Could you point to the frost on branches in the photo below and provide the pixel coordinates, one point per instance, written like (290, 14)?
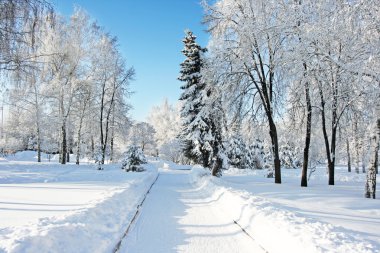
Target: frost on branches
(97, 156)
(196, 131)
(237, 152)
(256, 155)
(134, 157)
(288, 156)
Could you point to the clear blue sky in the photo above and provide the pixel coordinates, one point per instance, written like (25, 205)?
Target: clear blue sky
(150, 35)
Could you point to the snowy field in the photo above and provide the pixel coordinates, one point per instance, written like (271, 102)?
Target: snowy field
(319, 218)
(66, 208)
(48, 207)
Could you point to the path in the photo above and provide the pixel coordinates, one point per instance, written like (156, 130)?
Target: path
(178, 218)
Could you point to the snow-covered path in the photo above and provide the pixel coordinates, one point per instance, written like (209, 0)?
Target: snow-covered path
(176, 217)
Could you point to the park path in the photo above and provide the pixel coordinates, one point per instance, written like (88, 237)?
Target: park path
(176, 217)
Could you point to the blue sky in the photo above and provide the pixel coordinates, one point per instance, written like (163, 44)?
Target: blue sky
(150, 35)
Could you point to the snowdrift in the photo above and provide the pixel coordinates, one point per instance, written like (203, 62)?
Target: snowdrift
(94, 227)
(276, 229)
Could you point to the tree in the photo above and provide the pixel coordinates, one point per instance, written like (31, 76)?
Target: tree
(196, 130)
(134, 157)
(370, 186)
(215, 112)
(237, 152)
(21, 30)
(247, 39)
(19, 21)
(165, 120)
(142, 136)
(256, 155)
(75, 95)
(113, 86)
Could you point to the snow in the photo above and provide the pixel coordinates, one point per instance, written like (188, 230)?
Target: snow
(177, 217)
(49, 207)
(319, 218)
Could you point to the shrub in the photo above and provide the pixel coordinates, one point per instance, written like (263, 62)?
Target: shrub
(134, 157)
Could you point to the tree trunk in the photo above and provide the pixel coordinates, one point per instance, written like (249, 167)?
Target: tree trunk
(103, 154)
(307, 137)
(217, 167)
(357, 147)
(370, 186)
(348, 155)
(92, 146)
(79, 139)
(78, 148)
(102, 108)
(38, 143)
(332, 162)
(334, 128)
(275, 149)
(68, 153)
(63, 143)
(79, 134)
(363, 158)
(111, 149)
(330, 165)
(363, 165)
(112, 133)
(38, 128)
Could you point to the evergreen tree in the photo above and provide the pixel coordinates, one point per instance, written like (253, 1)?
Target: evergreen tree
(256, 155)
(196, 133)
(133, 160)
(237, 152)
(216, 120)
(289, 156)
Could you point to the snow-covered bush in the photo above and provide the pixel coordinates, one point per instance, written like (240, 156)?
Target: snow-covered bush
(237, 153)
(268, 161)
(97, 156)
(134, 157)
(288, 156)
(256, 155)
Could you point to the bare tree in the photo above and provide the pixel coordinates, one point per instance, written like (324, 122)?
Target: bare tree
(247, 38)
(19, 21)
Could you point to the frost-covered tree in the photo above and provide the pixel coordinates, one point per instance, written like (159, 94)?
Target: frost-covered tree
(196, 131)
(19, 22)
(142, 135)
(370, 186)
(172, 150)
(133, 160)
(237, 152)
(113, 87)
(215, 110)
(246, 42)
(322, 57)
(256, 155)
(165, 120)
(97, 157)
(75, 94)
(288, 157)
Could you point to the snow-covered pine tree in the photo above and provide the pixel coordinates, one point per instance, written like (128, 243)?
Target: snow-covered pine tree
(237, 152)
(134, 157)
(97, 156)
(216, 120)
(288, 157)
(256, 155)
(268, 161)
(196, 133)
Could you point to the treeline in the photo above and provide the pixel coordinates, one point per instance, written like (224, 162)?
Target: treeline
(66, 83)
(305, 74)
